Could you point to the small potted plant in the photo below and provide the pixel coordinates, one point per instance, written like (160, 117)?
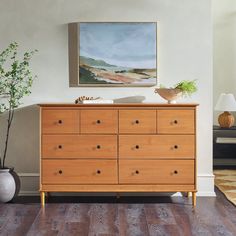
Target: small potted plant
(15, 82)
(183, 88)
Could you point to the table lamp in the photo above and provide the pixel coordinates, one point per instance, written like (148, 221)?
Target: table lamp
(226, 102)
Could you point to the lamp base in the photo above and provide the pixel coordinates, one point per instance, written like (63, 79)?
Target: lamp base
(226, 120)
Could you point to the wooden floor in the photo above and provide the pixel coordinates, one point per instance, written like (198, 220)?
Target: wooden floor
(134, 216)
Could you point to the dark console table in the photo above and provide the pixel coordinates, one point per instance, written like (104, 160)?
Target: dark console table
(224, 147)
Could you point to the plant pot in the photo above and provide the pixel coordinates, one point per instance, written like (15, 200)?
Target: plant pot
(7, 185)
(17, 181)
(169, 94)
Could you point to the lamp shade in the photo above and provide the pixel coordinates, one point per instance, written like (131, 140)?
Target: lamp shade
(226, 102)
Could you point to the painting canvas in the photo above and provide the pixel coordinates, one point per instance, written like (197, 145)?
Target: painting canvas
(117, 54)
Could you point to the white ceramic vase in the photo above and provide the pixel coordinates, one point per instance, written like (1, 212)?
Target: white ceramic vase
(7, 186)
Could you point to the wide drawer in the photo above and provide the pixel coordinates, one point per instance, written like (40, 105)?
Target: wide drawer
(79, 146)
(137, 121)
(99, 121)
(156, 146)
(79, 172)
(156, 171)
(175, 121)
(60, 121)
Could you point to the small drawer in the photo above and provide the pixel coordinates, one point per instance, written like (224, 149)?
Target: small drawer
(79, 172)
(79, 146)
(157, 146)
(99, 121)
(60, 121)
(137, 121)
(97, 146)
(156, 172)
(175, 121)
(57, 146)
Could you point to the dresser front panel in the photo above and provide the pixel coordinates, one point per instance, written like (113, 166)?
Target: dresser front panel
(79, 172)
(137, 121)
(156, 172)
(79, 146)
(157, 146)
(175, 122)
(99, 121)
(60, 121)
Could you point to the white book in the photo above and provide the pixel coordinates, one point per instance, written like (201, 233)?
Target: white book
(226, 140)
(98, 101)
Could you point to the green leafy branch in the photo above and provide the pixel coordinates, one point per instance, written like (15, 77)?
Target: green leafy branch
(15, 82)
(187, 87)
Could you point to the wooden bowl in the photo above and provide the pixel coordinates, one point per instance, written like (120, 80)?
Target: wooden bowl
(169, 94)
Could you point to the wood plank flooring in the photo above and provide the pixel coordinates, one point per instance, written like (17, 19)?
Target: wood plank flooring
(131, 216)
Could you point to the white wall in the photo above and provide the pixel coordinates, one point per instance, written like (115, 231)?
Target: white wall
(185, 52)
(224, 49)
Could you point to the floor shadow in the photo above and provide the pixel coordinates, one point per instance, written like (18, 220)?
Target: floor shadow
(96, 199)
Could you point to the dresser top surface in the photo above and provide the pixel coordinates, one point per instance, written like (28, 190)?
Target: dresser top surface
(119, 105)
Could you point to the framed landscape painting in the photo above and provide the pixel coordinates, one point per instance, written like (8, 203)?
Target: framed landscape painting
(113, 54)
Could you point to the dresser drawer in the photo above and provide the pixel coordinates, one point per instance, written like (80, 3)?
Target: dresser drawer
(175, 121)
(99, 121)
(60, 121)
(156, 146)
(79, 146)
(79, 172)
(156, 171)
(137, 121)
(54, 146)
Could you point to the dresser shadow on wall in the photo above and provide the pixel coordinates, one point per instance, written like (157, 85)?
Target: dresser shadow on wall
(23, 148)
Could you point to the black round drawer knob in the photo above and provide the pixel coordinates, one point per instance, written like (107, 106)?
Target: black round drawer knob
(60, 146)
(176, 147)
(98, 122)
(137, 121)
(60, 121)
(137, 146)
(60, 172)
(98, 146)
(98, 172)
(137, 172)
(175, 121)
(175, 172)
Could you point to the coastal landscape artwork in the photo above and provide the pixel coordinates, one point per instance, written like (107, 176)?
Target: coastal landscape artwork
(117, 54)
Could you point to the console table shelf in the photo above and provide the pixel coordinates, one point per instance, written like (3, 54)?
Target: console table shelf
(224, 147)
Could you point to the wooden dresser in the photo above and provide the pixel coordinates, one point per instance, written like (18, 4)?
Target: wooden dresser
(118, 148)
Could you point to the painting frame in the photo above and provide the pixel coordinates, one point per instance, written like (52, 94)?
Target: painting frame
(74, 51)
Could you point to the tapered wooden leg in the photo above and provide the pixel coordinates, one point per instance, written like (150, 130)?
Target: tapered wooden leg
(47, 194)
(42, 199)
(188, 194)
(194, 199)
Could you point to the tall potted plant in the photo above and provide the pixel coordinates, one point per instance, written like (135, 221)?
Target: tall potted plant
(15, 82)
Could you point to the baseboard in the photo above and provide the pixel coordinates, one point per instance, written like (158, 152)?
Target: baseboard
(205, 185)
(28, 174)
(28, 193)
